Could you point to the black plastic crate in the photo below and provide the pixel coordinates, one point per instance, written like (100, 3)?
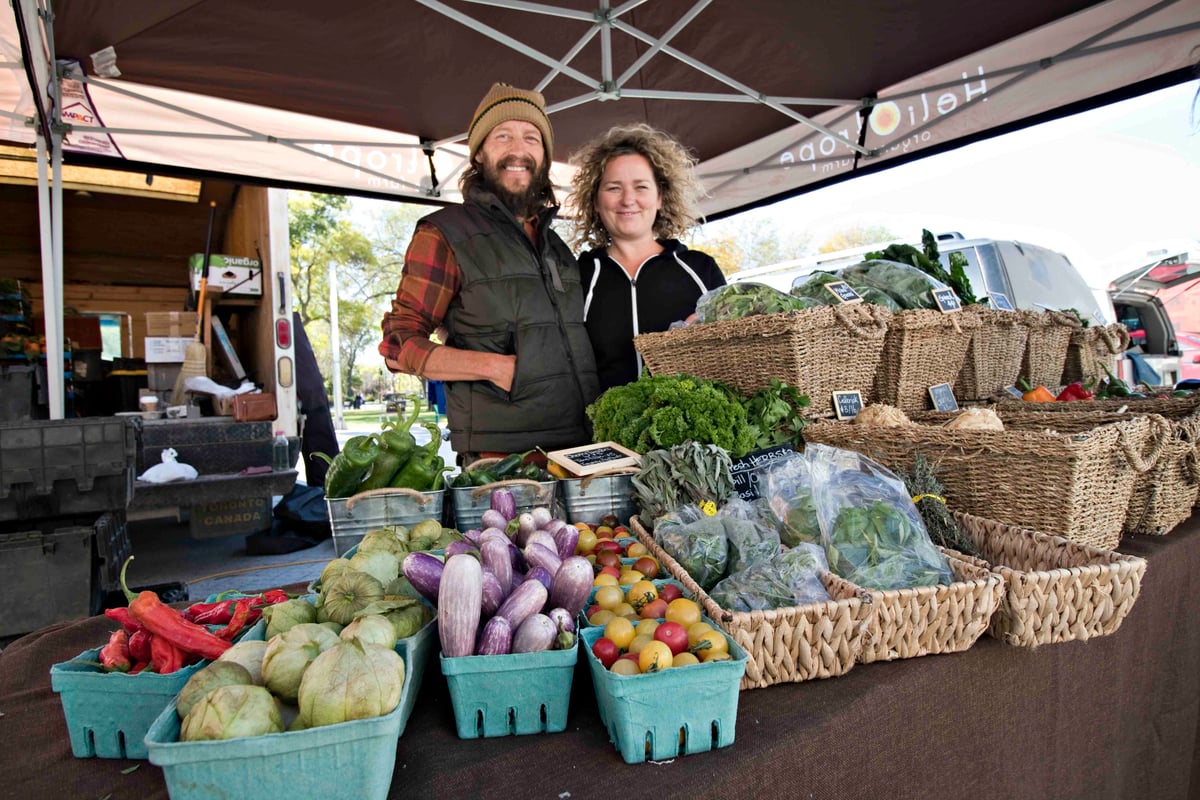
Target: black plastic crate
(112, 549)
(45, 575)
(59, 468)
(213, 445)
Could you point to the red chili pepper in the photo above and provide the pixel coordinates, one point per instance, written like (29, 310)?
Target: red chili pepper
(166, 656)
(123, 616)
(139, 645)
(273, 596)
(219, 614)
(138, 667)
(241, 617)
(165, 623)
(115, 654)
(198, 609)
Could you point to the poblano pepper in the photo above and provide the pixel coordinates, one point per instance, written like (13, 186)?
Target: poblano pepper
(396, 447)
(422, 466)
(348, 469)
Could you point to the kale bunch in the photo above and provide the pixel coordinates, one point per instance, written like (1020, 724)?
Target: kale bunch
(657, 412)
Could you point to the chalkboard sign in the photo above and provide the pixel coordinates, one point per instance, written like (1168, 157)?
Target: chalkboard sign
(847, 404)
(946, 299)
(943, 398)
(1001, 301)
(844, 292)
(592, 458)
(1015, 392)
(748, 470)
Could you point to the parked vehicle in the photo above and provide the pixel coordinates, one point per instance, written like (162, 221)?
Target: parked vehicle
(1155, 301)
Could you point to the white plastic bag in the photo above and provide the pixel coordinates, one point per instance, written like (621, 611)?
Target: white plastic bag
(169, 470)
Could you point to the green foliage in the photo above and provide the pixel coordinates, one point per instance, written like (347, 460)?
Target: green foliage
(661, 411)
(856, 236)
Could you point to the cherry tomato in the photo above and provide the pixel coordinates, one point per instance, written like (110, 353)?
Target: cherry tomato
(640, 641)
(630, 576)
(641, 593)
(586, 543)
(655, 656)
(604, 532)
(672, 634)
(624, 610)
(601, 617)
(620, 530)
(636, 550)
(709, 645)
(685, 612)
(605, 651)
(620, 632)
(647, 566)
(697, 630)
(625, 666)
(684, 659)
(669, 592)
(646, 627)
(609, 596)
(654, 609)
(608, 558)
(583, 526)
(604, 579)
(614, 572)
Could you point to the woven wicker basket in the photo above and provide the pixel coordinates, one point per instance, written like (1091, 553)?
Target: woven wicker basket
(923, 348)
(1055, 590)
(1162, 496)
(1091, 349)
(928, 620)
(994, 357)
(1046, 347)
(817, 350)
(785, 645)
(1070, 477)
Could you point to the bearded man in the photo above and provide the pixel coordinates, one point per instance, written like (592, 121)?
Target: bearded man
(517, 362)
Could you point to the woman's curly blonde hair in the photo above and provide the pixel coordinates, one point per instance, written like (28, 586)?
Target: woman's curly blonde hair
(673, 171)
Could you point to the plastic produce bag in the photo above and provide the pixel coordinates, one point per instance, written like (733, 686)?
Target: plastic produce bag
(746, 299)
(812, 286)
(169, 470)
(789, 495)
(793, 578)
(750, 541)
(872, 533)
(907, 285)
(697, 541)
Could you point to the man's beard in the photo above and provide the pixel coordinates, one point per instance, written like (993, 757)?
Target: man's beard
(527, 202)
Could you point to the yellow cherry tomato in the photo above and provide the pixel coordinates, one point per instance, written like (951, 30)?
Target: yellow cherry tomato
(697, 630)
(604, 579)
(631, 576)
(640, 641)
(654, 657)
(709, 645)
(620, 631)
(586, 543)
(601, 617)
(625, 666)
(684, 659)
(623, 609)
(684, 611)
(640, 593)
(609, 597)
(647, 627)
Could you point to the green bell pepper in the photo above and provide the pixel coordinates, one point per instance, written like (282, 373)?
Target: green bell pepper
(348, 469)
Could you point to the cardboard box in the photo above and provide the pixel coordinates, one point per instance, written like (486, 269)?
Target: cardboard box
(167, 349)
(171, 323)
(234, 275)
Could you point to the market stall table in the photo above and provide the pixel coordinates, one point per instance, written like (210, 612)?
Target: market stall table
(1115, 717)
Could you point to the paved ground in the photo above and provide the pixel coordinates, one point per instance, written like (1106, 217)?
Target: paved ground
(165, 552)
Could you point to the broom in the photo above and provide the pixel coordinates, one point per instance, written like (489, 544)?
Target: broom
(195, 358)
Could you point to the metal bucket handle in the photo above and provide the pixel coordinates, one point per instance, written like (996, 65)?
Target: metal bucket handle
(606, 473)
(387, 490)
(478, 491)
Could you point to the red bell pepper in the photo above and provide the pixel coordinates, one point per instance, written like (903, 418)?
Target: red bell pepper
(1074, 391)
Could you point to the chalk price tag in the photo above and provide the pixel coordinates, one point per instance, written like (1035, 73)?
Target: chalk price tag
(1000, 301)
(847, 404)
(747, 470)
(592, 458)
(844, 292)
(943, 397)
(947, 301)
(1015, 392)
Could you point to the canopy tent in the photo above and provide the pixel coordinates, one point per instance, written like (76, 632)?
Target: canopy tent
(774, 97)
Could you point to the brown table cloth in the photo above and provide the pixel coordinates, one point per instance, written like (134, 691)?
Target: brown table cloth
(1115, 717)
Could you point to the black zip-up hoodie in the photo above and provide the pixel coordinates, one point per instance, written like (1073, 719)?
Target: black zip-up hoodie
(615, 308)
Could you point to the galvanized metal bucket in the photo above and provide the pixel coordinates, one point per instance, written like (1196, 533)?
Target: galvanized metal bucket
(589, 498)
(471, 501)
(352, 518)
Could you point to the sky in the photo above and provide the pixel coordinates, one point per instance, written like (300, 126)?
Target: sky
(1104, 187)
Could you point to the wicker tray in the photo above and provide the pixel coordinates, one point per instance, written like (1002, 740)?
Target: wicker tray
(817, 350)
(994, 356)
(928, 620)
(1162, 496)
(1077, 483)
(785, 645)
(1091, 349)
(923, 348)
(1046, 347)
(1055, 590)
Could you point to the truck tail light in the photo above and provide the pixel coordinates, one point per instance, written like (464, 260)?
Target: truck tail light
(283, 332)
(284, 368)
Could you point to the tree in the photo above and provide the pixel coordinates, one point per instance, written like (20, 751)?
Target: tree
(749, 240)
(856, 236)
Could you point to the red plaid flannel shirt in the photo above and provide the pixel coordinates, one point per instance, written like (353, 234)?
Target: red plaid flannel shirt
(429, 283)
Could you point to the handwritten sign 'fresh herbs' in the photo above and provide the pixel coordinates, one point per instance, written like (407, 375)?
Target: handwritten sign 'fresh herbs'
(747, 470)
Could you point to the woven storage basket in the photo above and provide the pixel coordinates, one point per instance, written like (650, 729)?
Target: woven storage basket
(923, 348)
(994, 356)
(817, 350)
(1091, 349)
(1046, 347)
(785, 645)
(927, 620)
(1054, 590)
(1076, 484)
(1163, 495)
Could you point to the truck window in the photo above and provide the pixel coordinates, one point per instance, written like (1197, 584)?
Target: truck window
(983, 269)
(1042, 278)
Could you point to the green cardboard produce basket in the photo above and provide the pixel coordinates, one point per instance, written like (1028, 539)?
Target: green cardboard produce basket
(518, 694)
(677, 712)
(108, 713)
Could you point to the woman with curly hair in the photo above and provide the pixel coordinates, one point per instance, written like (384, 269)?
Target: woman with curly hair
(634, 195)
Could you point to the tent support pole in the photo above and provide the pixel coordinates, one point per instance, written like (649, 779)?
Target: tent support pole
(50, 225)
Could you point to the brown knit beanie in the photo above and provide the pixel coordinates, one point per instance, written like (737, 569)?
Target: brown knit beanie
(503, 103)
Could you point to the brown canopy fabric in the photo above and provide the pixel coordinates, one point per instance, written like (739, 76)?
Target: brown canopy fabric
(771, 95)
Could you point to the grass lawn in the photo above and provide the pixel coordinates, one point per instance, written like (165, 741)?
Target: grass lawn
(369, 418)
